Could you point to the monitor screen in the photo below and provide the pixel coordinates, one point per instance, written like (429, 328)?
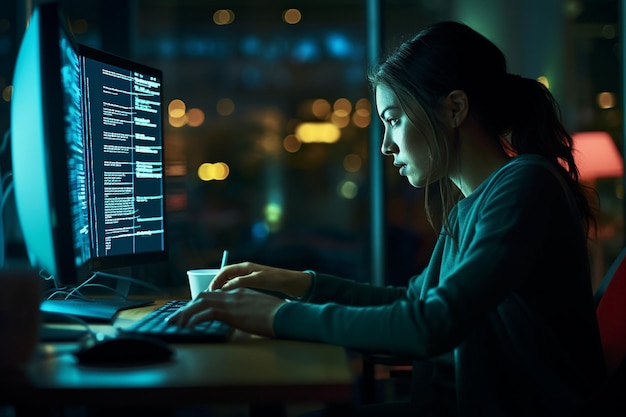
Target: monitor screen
(123, 137)
(87, 154)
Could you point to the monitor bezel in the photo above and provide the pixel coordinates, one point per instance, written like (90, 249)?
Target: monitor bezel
(42, 199)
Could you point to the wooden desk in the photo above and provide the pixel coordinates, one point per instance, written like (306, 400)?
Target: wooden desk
(248, 370)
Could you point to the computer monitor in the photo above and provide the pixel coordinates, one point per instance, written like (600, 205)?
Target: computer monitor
(87, 154)
(46, 122)
(123, 130)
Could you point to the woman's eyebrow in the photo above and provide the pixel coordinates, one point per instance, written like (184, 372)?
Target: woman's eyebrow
(386, 109)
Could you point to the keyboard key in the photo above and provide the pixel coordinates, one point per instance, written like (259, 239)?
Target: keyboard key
(153, 324)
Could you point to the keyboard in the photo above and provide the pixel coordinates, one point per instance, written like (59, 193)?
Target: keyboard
(153, 325)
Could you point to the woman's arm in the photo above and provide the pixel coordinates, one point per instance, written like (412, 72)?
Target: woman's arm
(304, 285)
(329, 288)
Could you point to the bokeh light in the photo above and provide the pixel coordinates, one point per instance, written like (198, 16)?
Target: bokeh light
(176, 108)
(606, 100)
(352, 162)
(292, 16)
(348, 189)
(213, 171)
(225, 107)
(291, 144)
(195, 117)
(223, 17)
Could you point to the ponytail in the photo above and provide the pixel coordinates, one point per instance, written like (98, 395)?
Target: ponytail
(532, 124)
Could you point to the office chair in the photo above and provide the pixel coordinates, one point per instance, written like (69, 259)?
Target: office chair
(396, 367)
(610, 299)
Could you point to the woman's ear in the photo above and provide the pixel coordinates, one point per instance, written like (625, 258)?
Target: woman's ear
(457, 107)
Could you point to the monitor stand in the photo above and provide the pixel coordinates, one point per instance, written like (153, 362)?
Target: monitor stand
(96, 309)
(92, 311)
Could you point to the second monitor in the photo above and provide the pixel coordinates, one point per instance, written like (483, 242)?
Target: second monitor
(123, 150)
(87, 155)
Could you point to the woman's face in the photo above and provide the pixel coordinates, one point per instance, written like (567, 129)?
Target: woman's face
(402, 139)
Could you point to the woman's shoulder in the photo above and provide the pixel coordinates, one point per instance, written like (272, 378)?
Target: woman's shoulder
(520, 177)
(524, 173)
(528, 167)
(528, 161)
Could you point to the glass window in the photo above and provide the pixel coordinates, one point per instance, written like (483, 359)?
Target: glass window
(268, 133)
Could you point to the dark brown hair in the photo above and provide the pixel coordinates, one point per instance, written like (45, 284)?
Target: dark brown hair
(451, 55)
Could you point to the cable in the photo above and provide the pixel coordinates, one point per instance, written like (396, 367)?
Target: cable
(49, 277)
(132, 280)
(3, 196)
(8, 188)
(5, 140)
(75, 292)
(2, 237)
(67, 293)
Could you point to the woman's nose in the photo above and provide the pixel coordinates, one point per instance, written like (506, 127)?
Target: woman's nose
(387, 146)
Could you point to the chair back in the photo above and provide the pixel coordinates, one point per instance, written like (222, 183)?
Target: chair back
(611, 313)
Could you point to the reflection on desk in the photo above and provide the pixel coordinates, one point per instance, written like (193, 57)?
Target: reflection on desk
(248, 370)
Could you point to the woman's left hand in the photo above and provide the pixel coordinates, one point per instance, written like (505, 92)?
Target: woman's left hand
(243, 308)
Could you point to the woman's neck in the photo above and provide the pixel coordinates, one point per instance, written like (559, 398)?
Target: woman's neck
(478, 156)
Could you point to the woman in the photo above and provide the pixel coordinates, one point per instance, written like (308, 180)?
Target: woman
(501, 322)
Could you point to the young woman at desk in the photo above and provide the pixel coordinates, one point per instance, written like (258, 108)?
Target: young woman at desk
(501, 322)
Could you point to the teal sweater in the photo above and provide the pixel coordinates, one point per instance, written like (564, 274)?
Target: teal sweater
(501, 321)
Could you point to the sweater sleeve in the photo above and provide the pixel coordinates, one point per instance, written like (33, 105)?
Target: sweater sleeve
(502, 240)
(328, 288)
(347, 313)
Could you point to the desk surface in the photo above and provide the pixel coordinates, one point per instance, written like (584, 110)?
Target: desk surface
(247, 370)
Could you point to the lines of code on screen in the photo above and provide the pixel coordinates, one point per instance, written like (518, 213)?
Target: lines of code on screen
(123, 119)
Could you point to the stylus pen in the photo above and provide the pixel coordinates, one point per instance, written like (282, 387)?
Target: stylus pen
(224, 258)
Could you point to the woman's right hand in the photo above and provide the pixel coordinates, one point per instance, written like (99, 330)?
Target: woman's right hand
(251, 275)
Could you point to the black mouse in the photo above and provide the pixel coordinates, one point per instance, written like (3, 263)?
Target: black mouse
(123, 350)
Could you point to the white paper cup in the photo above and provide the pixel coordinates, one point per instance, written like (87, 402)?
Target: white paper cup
(200, 279)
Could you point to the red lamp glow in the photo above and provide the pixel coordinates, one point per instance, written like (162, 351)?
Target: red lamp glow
(597, 156)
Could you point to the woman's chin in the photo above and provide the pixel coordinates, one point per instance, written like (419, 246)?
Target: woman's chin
(416, 183)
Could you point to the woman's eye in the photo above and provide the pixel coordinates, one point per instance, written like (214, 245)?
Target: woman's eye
(392, 122)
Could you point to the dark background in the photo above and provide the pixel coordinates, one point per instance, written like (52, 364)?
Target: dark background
(311, 208)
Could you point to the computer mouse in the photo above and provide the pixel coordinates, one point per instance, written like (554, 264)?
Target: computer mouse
(123, 350)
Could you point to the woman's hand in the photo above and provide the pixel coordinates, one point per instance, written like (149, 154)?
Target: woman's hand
(245, 309)
(250, 275)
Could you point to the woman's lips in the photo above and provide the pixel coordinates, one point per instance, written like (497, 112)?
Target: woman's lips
(401, 168)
